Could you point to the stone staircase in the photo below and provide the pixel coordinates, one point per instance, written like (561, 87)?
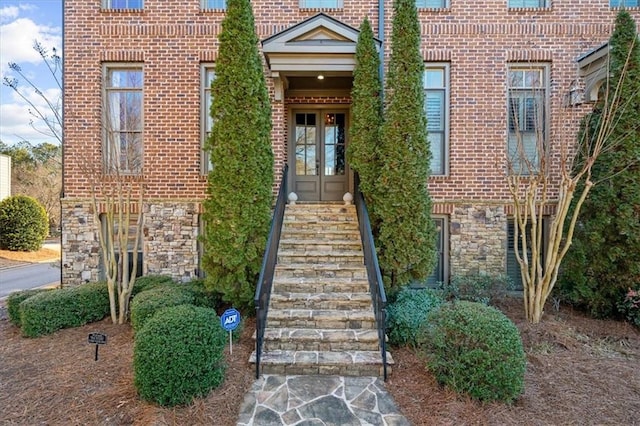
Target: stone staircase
(320, 318)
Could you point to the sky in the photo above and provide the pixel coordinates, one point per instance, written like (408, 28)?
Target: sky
(21, 23)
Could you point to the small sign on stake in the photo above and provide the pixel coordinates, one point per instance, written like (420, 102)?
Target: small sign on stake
(97, 339)
(230, 320)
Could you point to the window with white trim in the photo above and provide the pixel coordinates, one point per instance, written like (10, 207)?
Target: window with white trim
(213, 4)
(208, 75)
(436, 94)
(527, 106)
(122, 4)
(123, 118)
(528, 4)
(624, 3)
(432, 4)
(320, 4)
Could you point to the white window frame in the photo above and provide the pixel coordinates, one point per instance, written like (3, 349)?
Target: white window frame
(432, 4)
(528, 4)
(519, 165)
(321, 4)
(109, 4)
(213, 4)
(206, 123)
(443, 168)
(112, 150)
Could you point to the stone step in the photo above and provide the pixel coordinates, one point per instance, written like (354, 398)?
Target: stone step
(308, 339)
(284, 284)
(320, 244)
(320, 234)
(319, 300)
(339, 257)
(318, 225)
(340, 363)
(321, 318)
(320, 270)
(320, 209)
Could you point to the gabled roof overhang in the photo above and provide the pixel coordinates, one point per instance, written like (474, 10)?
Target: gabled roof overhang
(593, 68)
(320, 44)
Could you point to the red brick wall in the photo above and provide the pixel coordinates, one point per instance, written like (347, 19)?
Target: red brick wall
(172, 38)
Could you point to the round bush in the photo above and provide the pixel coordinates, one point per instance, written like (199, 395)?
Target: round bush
(23, 224)
(148, 302)
(474, 349)
(408, 313)
(179, 355)
(149, 282)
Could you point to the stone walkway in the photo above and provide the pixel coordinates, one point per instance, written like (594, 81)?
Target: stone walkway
(319, 401)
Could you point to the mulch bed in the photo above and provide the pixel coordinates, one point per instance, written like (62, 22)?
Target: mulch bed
(580, 371)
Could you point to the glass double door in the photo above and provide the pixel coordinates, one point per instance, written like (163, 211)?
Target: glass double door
(319, 140)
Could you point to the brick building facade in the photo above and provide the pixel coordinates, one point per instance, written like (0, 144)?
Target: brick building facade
(158, 57)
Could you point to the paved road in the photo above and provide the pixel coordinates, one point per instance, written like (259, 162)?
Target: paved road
(28, 276)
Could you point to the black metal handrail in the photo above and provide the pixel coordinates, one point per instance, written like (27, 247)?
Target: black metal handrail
(269, 260)
(376, 286)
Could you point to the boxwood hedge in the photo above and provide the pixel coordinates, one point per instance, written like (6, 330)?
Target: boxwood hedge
(53, 310)
(179, 355)
(474, 349)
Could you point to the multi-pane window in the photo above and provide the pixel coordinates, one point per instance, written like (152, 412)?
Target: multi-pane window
(432, 4)
(208, 75)
(531, 4)
(320, 4)
(436, 81)
(123, 4)
(213, 4)
(526, 112)
(624, 3)
(123, 121)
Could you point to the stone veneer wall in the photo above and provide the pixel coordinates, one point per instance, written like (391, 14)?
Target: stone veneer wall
(169, 243)
(80, 246)
(171, 240)
(478, 239)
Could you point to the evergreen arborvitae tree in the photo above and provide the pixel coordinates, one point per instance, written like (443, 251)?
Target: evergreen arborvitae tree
(238, 207)
(604, 260)
(366, 111)
(407, 237)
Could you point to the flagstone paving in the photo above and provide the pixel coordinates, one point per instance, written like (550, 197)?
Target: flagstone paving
(319, 401)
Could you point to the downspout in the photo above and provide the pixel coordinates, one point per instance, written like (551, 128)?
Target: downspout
(381, 38)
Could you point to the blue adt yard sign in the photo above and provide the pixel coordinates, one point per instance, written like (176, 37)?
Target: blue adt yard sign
(230, 320)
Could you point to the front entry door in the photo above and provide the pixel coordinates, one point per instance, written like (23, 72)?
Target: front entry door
(319, 144)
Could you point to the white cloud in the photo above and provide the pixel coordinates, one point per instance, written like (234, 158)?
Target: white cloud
(17, 38)
(8, 13)
(15, 126)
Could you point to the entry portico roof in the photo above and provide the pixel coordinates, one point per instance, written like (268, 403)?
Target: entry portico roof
(318, 44)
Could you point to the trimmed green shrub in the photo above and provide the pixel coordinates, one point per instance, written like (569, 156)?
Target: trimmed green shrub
(147, 303)
(14, 300)
(237, 210)
(408, 312)
(53, 310)
(630, 307)
(406, 238)
(179, 355)
(474, 349)
(481, 288)
(150, 281)
(202, 296)
(23, 224)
